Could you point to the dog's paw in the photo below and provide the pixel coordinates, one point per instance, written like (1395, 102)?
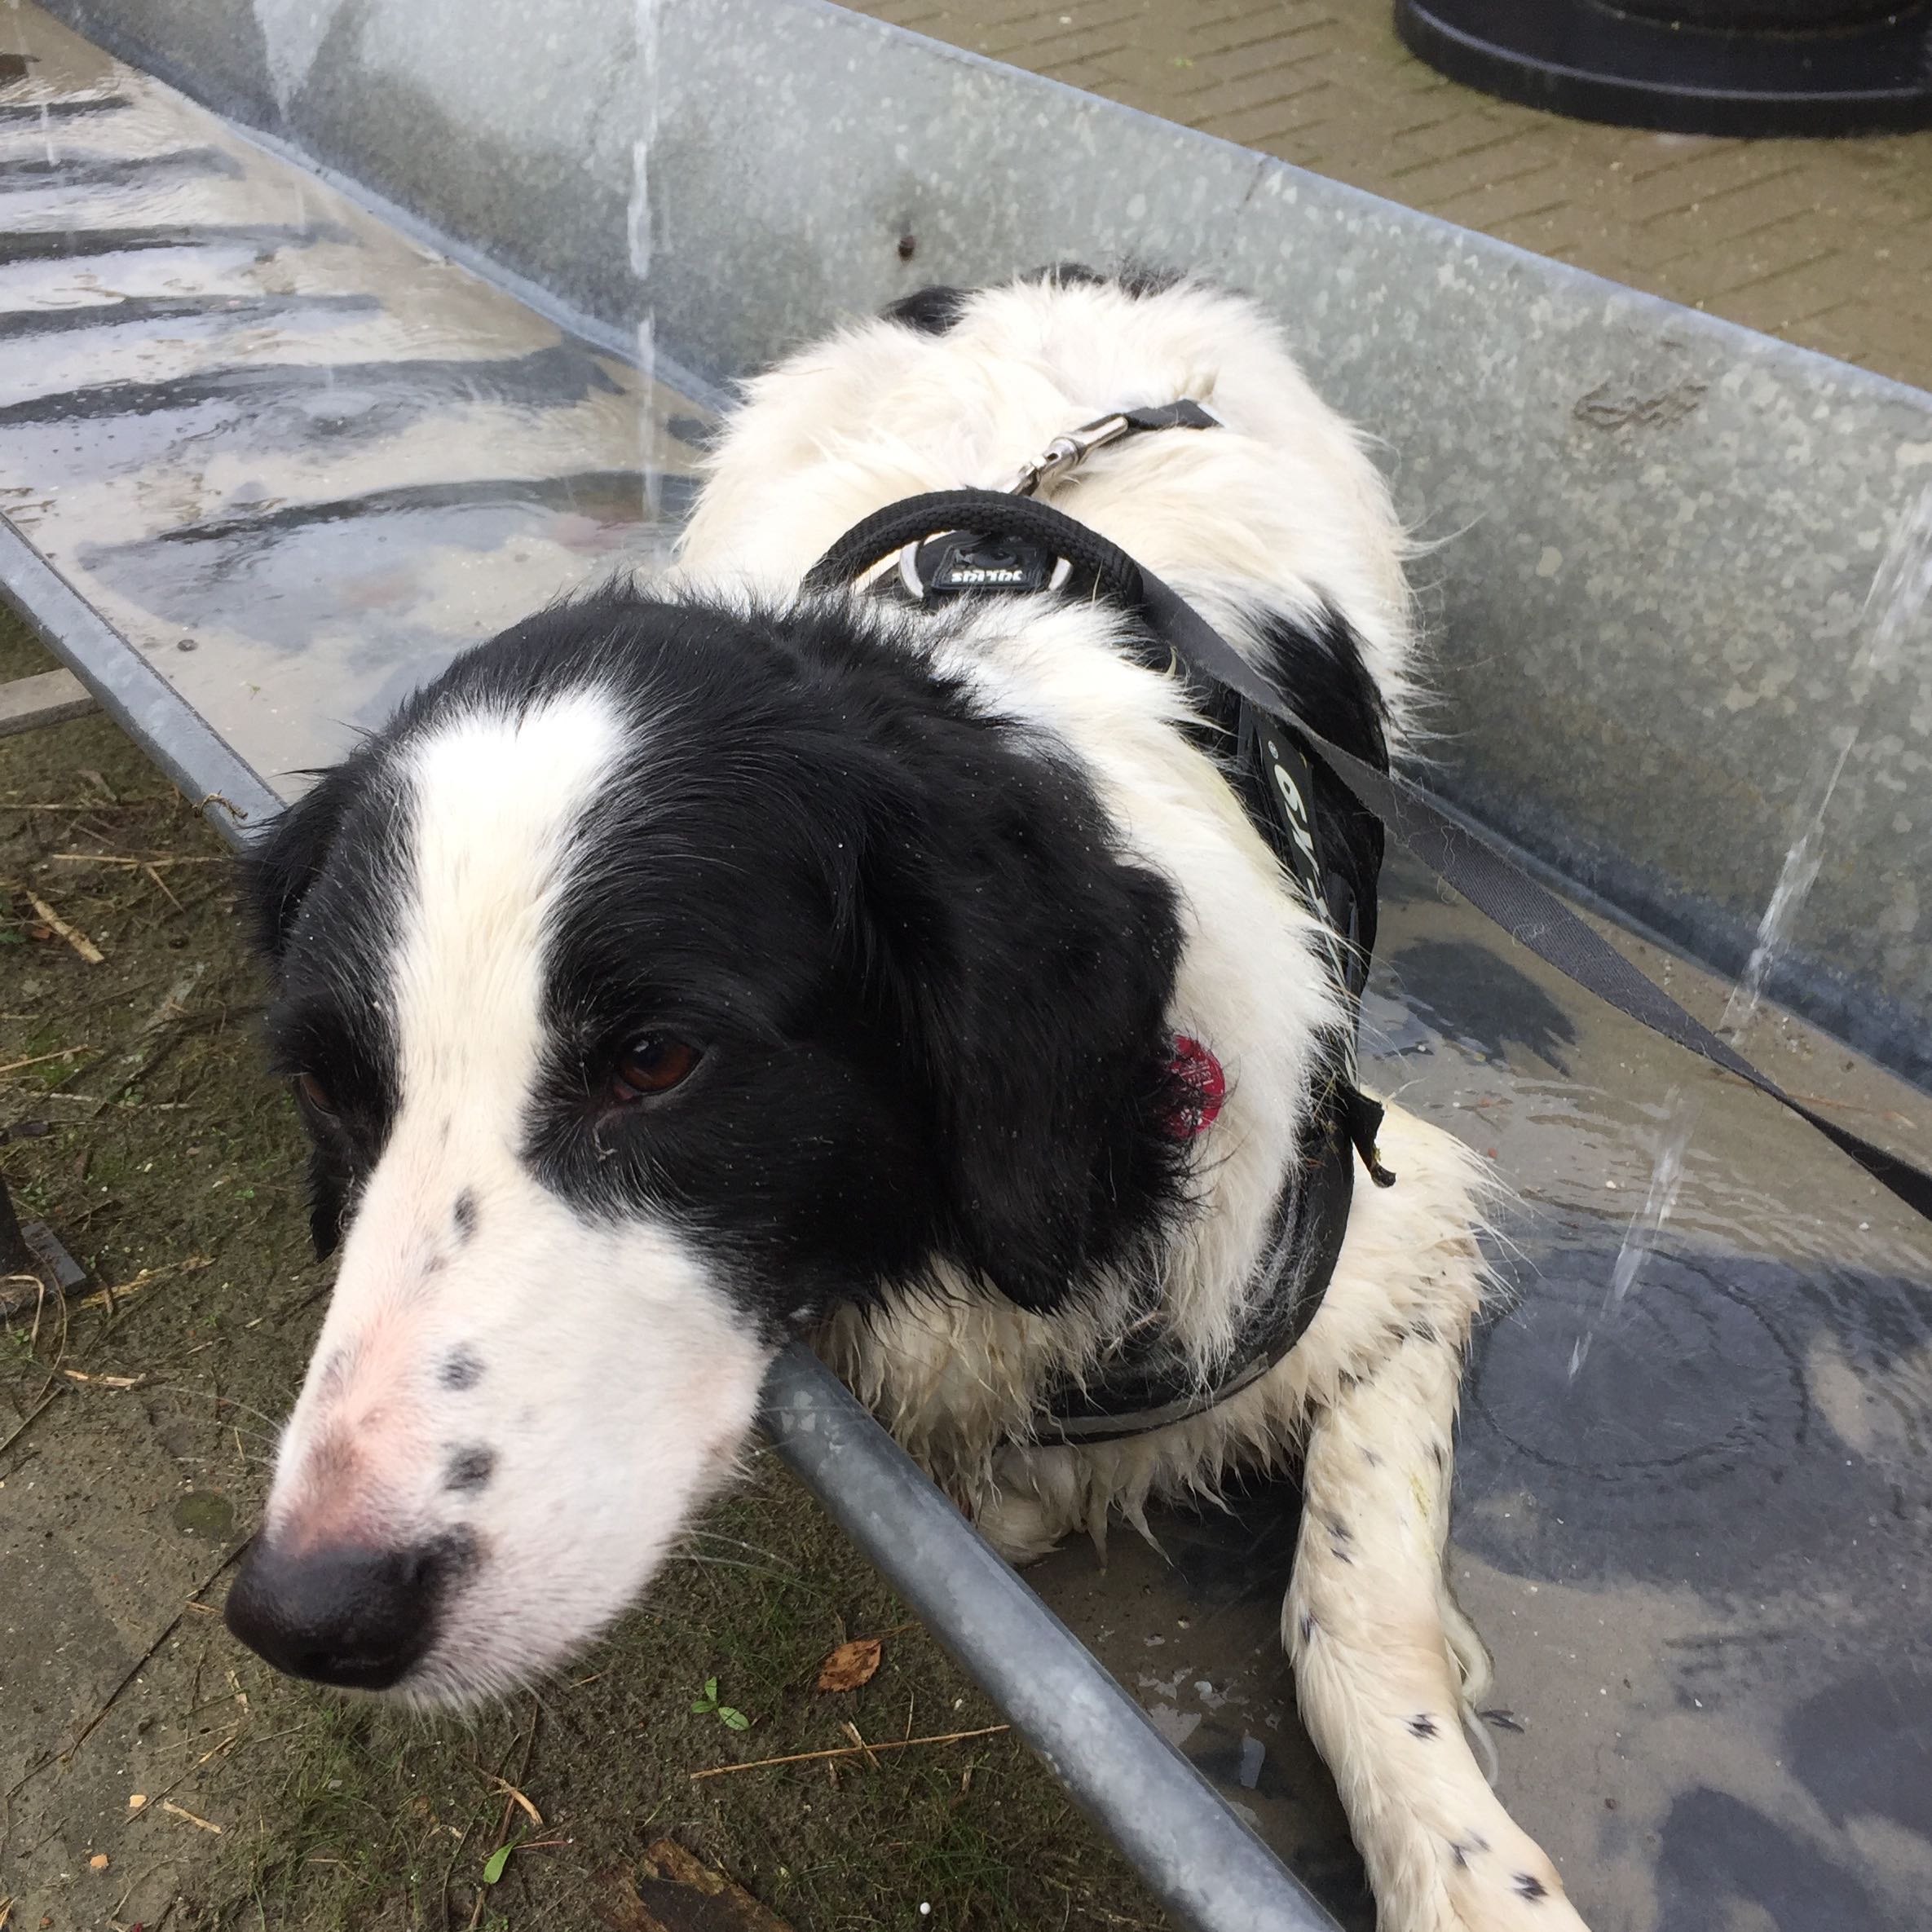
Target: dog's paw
(1022, 1528)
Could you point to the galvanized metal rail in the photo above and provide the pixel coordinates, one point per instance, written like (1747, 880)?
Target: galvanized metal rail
(1202, 1862)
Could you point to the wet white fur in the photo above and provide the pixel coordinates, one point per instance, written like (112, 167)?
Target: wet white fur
(1280, 507)
(1288, 507)
(621, 1383)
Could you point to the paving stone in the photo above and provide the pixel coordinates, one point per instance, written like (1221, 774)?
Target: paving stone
(1259, 89)
(1498, 207)
(1827, 243)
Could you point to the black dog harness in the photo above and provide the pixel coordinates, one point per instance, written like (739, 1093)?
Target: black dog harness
(965, 542)
(979, 540)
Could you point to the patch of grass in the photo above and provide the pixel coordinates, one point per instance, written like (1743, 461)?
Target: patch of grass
(162, 1144)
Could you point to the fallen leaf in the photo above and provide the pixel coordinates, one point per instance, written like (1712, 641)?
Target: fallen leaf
(852, 1665)
(518, 1798)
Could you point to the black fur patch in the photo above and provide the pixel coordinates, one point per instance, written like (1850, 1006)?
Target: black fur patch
(324, 883)
(929, 989)
(1137, 279)
(461, 1369)
(934, 310)
(469, 1469)
(931, 311)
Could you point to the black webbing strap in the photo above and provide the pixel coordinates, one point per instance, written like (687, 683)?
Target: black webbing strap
(1503, 892)
(1137, 1387)
(1493, 885)
(1097, 564)
(1183, 415)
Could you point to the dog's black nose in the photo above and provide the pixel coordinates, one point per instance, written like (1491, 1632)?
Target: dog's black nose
(340, 1614)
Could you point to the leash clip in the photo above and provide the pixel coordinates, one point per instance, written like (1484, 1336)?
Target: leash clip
(1066, 452)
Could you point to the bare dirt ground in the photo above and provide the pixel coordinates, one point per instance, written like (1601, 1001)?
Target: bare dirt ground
(153, 1773)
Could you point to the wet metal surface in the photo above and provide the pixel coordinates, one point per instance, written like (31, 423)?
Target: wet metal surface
(297, 459)
(1656, 529)
(241, 415)
(1704, 1563)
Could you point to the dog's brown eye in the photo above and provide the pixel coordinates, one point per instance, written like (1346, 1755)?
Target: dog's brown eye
(658, 1062)
(314, 1093)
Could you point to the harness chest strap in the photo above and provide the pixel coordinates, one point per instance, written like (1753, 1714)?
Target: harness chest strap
(1145, 1384)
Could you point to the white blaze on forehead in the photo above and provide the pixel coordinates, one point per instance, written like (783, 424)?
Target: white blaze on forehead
(613, 1376)
(491, 800)
(495, 798)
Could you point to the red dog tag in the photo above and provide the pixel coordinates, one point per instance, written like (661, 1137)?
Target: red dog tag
(1203, 1086)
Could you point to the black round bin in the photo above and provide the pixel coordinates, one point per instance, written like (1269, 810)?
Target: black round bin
(1715, 67)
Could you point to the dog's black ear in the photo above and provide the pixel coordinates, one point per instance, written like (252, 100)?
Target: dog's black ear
(931, 311)
(280, 863)
(1031, 966)
(278, 867)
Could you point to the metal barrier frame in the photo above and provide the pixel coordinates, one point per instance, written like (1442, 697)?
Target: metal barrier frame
(1580, 421)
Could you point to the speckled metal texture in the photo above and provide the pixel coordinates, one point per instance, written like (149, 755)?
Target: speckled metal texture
(1651, 532)
(236, 410)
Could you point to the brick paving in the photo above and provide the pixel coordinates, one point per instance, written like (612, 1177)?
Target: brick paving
(1827, 243)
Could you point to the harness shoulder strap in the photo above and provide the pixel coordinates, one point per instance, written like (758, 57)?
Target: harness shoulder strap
(1460, 857)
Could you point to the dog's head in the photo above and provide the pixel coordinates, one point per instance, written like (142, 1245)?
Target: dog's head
(661, 975)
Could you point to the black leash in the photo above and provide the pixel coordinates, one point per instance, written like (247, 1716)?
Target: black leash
(1462, 858)
(1502, 891)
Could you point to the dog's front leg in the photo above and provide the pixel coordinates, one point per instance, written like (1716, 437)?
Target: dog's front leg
(1368, 1628)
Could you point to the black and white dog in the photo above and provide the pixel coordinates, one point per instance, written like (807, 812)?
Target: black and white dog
(686, 970)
